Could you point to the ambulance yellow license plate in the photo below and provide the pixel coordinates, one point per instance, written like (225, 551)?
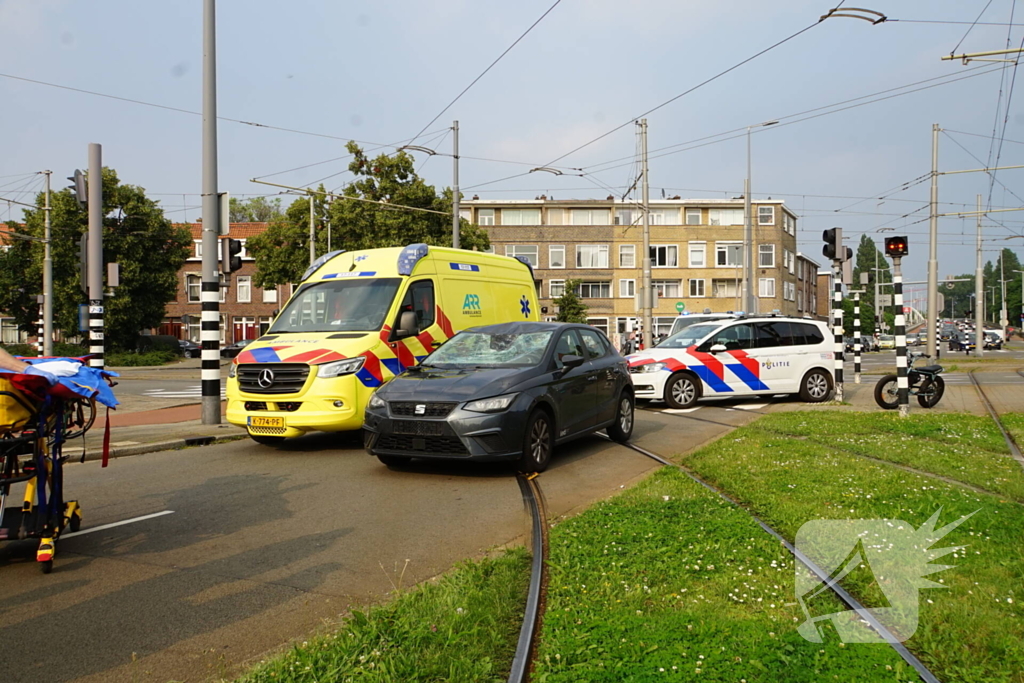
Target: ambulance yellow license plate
(258, 421)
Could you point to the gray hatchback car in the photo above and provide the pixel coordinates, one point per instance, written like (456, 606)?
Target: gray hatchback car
(503, 392)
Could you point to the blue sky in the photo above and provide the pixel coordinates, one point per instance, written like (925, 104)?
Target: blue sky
(378, 72)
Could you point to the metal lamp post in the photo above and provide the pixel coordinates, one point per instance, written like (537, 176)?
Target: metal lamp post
(456, 199)
(749, 264)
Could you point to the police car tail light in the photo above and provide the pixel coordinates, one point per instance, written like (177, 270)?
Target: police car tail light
(341, 367)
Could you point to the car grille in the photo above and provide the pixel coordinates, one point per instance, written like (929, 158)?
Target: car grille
(273, 431)
(406, 443)
(288, 378)
(408, 409)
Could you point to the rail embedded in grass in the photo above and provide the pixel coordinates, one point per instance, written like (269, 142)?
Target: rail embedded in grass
(973, 630)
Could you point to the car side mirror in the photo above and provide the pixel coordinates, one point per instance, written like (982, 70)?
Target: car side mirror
(570, 361)
(406, 325)
(718, 348)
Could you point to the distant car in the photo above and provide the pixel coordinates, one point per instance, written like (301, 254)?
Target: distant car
(913, 339)
(510, 391)
(232, 350)
(189, 349)
(993, 341)
(887, 341)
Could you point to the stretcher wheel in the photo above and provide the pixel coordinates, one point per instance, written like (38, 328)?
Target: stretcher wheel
(76, 521)
(47, 566)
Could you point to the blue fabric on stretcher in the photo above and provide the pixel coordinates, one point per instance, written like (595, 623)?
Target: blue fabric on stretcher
(87, 382)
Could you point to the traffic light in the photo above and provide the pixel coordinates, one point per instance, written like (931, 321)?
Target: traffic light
(834, 249)
(78, 189)
(230, 261)
(895, 247)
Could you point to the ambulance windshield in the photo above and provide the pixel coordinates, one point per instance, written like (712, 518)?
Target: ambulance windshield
(690, 335)
(341, 305)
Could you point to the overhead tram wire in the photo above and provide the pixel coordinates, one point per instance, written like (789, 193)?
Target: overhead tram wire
(973, 24)
(1006, 118)
(484, 72)
(989, 173)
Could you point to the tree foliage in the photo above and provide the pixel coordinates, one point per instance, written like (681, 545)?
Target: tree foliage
(571, 308)
(149, 249)
(282, 253)
(255, 210)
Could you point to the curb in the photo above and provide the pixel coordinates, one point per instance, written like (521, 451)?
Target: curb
(167, 445)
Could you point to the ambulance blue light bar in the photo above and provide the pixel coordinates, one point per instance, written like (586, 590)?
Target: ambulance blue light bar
(319, 262)
(410, 256)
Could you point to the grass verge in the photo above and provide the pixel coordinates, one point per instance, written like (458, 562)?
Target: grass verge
(973, 630)
(461, 628)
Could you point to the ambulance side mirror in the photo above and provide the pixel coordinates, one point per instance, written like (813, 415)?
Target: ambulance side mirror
(407, 325)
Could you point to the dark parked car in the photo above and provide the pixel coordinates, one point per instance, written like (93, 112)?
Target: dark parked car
(232, 350)
(993, 341)
(503, 392)
(189, 349)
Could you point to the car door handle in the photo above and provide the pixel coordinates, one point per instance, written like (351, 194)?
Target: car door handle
(591, 378)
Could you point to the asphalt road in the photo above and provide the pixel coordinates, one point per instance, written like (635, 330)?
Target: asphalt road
(264, 545)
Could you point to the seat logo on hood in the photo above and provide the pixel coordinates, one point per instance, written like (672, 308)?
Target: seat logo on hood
(421, 409)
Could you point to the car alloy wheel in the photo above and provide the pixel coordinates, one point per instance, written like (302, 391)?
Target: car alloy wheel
(682, 392)
(625, 415)
(538, 444)
(817, 386)
(622, 428)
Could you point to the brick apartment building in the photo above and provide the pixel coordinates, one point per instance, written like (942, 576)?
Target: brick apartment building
(696, 252)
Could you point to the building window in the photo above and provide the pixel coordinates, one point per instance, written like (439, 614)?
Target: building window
(766, 287)
(591, 255)
(629, 217)
(667, 289)
(590, 216)
(799, 299)
(792, 262)
(223, 282)
(528, 251)
(520, 216)
(464, 214)
(697, 254)
(627, 256)
(697, 288)
(556, 256)
(243, 289)
(595, 290)
(556, 288)
(627, 289)
(725, 216)
(693, 216)
(485, 216)
(194, 284)
(766, 215)
(489, 249)
(664, 256)
(199, 248)
(788, 223)
(270, 295)
(598, 323)
(728, 255)
(766, 255)
(725, 289)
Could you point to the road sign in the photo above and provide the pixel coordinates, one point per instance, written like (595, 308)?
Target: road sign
(942, 302)
(885, 299)
(680, 306)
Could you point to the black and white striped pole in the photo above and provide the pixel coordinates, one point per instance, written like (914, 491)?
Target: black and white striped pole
(40, 325)
(94, 251)
(896, 248)
(210, 294)
(856, 333)
(837, 325)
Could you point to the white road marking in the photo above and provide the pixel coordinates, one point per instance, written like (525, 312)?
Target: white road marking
(195, 391)
(121, 523)
(676, 411)
(752, 406)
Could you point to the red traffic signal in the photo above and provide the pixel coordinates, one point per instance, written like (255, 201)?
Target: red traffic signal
(895, 247)
(230, 260)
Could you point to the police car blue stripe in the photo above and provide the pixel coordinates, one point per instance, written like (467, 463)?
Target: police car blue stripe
(710, 378)
(747, 377)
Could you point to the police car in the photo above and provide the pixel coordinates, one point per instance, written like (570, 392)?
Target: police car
(741, 357)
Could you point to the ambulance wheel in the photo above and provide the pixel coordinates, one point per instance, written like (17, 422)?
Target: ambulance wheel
(266, 440)
(681, 391)
(815, 386)
(394, 460)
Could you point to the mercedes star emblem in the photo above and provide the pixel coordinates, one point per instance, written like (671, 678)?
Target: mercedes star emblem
(265, 378)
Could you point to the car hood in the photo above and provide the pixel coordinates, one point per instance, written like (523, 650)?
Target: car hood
(312, 348)
(435, 384)
(656, 355)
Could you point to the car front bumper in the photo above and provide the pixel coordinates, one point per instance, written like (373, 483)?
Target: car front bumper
(649, 385)
(462, 435)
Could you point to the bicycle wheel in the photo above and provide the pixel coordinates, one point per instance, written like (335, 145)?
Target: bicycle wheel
(931, 393)
(886, 394)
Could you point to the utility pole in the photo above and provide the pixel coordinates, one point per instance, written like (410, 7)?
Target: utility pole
(878, 308)
(1002, 284)
(95, 256)
(456, 200)
(210, 297)
(902, 378)
(312, 230)
(47, 274)
(647, 296)
(933, 264)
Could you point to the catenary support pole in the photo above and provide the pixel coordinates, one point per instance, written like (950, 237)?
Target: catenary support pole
(456, 199)
(47, 273)
(837, 324)
(312, 229)
(95, 256)
(647, 295)
(210, 296)
(933, 263)
(902, 387)
(856, 337)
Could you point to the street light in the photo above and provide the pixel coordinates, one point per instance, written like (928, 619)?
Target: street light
(749, 268)
(456, 196)
(878, 309)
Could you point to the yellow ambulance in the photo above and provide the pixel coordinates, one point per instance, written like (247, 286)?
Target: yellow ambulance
(360, 318)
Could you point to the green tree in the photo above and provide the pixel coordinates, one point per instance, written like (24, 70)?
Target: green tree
(149, 249)
(867, 258)
(255, 210)
(359, 221)
(571, 308)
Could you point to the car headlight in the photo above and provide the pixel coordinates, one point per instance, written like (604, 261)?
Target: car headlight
(233, 370)
(341, 367)
(376, 401)
(495, 404)
(651, 367)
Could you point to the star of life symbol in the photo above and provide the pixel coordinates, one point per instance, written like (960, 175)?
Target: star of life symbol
(360, 258)
(524, 306)
(886, 559)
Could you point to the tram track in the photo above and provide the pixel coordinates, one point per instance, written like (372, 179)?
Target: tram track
(533, 614)
(1011, 443)
(922, 671)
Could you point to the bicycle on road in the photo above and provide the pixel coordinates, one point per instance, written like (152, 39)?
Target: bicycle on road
(923, 382)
